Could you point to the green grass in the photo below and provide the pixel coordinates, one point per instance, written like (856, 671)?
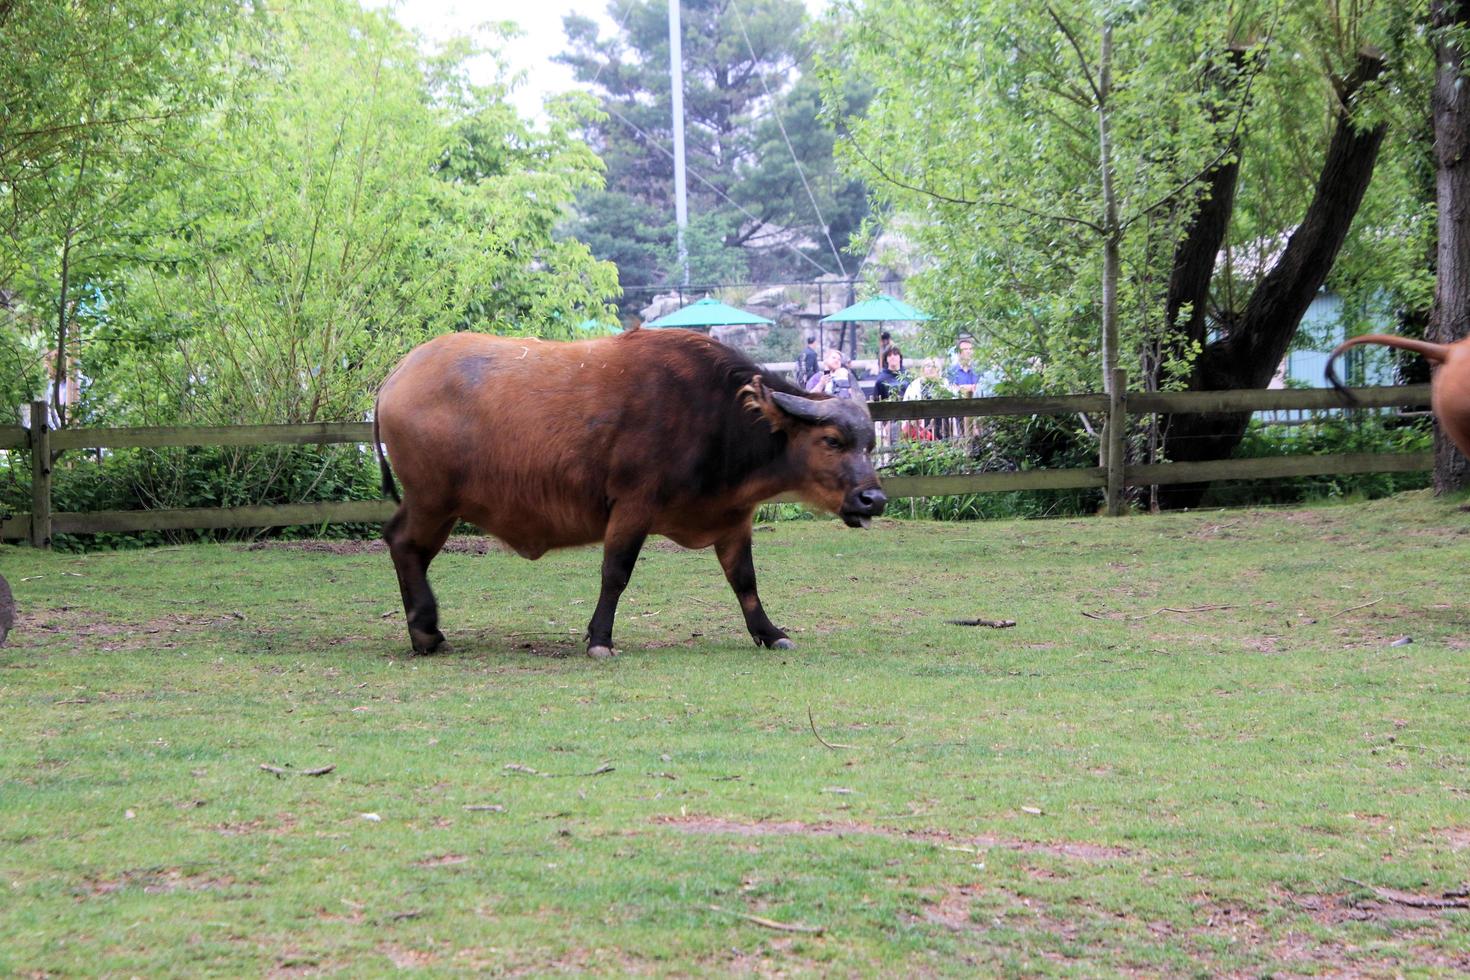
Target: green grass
(1155, 791)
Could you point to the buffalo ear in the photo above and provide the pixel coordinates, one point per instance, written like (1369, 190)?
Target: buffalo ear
(757, 398)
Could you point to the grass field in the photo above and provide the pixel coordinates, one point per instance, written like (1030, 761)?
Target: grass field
(1199, 751)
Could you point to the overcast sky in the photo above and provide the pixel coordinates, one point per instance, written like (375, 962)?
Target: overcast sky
(542, 37)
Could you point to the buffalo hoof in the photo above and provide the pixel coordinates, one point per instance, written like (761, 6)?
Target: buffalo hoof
(600, 652)
(785, 643)
(427, 643)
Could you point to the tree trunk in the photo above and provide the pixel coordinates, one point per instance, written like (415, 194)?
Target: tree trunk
(1450, 107)
(1194, 256)
(1254, 342)
(1112, 260)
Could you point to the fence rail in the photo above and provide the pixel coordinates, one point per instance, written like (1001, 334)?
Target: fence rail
(1114, 473)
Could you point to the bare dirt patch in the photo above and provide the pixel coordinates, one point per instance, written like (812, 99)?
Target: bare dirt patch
(460, 544)
(90, 631)
(153, 881)
(1458, 838)
(282, 823)
(797, 828)
(441, 861)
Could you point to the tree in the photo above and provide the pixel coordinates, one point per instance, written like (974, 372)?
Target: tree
(1032, 142)
(90, 93)
(995, 126)
(1450, 109)
(747, 112)
(349, 199)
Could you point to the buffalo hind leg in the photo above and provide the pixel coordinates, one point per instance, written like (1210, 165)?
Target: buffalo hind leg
(413, 541)
(620, 550)
(735, 558)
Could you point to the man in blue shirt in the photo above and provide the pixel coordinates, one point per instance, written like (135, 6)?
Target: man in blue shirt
(966, 379)
(963, 375)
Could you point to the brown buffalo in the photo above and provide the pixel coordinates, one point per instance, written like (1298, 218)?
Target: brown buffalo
(552, 445)
(1449, 392)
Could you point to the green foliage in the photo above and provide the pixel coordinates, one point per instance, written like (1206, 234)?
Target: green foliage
(982, 140)
(95, 96)
(1354, 432)
(337, 197)
(140, 479)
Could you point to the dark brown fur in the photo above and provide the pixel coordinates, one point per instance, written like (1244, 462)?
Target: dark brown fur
(553, 445)
(1449, 393)
(7, 609)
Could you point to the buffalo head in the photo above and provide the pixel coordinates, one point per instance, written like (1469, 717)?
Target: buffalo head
(829, 445)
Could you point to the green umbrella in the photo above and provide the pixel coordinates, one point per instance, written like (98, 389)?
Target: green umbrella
(707, 313)
(880, 307)
(598, 327)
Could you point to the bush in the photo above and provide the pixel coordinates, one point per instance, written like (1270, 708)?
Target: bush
(138, 479)
(1351, 432)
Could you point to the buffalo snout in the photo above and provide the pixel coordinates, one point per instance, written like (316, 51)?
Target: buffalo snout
(862, 506)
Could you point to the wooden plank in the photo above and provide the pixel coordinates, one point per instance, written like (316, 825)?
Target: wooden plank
(938, 486)
(14, 437)
(41, 527)
(1114, 456)
(1272, 467)
(1279, 399)
(952, 408)
(16, 527)
(324, 512)
(153, 437)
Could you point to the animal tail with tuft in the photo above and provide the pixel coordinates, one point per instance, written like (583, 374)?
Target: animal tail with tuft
(389, 487)
(1435, 353)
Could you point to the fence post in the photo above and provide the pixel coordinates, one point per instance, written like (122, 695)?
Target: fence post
(40, 477)
(1113, 455)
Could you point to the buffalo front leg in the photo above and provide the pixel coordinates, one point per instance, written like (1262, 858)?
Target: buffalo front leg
(735, 558)
(620, 550)
(413, 541)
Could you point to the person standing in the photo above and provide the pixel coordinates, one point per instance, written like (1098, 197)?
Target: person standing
(809, 363)
(928, 385)
(836, 378)
(962, 374)
(966, 380)
(891, 381)
(889, 386)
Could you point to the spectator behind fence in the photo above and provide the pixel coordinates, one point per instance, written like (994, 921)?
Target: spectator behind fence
(809, 362)
(929, 384)
(836, 378)
(966, 380)
(891, 381)
(963, 375)
(889, 386)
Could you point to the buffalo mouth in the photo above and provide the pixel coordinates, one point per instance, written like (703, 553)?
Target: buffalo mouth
(862, 506)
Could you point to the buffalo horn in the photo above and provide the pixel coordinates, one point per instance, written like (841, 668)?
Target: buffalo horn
(808, 409)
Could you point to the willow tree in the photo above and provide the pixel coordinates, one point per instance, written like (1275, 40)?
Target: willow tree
(1050, 153)
(1077, 169)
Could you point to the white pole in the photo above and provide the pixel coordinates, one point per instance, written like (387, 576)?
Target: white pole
(676, 77)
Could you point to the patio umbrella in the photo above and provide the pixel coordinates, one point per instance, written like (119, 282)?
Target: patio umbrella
(880, 307)
(594, 326)
(707, 312)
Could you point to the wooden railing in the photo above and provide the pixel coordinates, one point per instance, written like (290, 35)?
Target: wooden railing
(1111, 475)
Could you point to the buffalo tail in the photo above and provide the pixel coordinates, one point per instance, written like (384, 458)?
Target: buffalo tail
(389, 487)
(1434, 352)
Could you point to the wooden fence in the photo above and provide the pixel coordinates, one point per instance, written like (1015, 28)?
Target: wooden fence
(1111, 475)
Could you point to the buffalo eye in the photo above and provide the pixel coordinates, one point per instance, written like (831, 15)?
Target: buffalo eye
(832, 442)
